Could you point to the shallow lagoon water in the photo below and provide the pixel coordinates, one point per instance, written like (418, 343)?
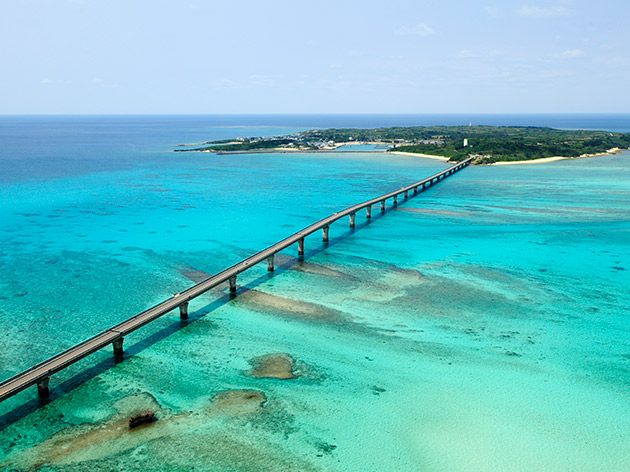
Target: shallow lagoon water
(481, 325)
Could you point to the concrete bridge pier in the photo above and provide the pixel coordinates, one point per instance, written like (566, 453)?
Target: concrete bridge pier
(368, 212)
(42, 387)
(232, 283)
(270, 263)
(352, 217)
(415, 190)
(395, 200)
(424, 186)
(118, 347)
(325, 234)
(301, 247)
(183, 311)
(382, 205)
(406, 193)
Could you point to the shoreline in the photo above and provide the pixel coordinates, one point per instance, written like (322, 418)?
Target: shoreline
(286, 151)
(417, 154)
(336, 149)
(543, 160)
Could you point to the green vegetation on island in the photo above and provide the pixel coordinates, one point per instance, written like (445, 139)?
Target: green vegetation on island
(488, 143)
(251, 144)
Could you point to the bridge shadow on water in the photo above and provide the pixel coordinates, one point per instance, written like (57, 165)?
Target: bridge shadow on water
(222, 298)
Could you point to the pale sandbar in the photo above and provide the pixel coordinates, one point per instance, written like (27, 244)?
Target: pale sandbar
(417, 154)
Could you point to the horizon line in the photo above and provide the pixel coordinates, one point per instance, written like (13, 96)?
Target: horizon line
(317, 114)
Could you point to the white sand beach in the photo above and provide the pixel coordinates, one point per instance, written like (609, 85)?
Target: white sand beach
(609, 152)
(532, 161)
(429, 156)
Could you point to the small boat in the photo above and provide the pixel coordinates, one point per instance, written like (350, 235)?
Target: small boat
(142, 418)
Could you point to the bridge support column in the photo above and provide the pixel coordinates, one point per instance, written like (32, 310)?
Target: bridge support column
(415, 190)
(325, 234)
(424, 186)
(118, 347)
(42, 387)
(382, 205)
(301, 247)
(232, 283)
(395, 200)
(270, 263)
(368, 212)
(352, 215)
(406, 194)
(183, 311)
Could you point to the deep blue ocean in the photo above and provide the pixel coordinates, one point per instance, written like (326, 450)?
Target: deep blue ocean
(482, 325)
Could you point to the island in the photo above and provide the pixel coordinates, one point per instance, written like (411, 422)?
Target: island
(487, 144)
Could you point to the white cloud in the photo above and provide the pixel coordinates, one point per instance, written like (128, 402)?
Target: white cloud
(571, 53)
(48, 81)
(420, 29)
(464, 53)
(533, 11)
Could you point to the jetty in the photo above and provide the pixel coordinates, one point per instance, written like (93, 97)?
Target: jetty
(41, 373)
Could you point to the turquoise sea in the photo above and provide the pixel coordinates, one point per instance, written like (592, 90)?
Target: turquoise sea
(480, 326)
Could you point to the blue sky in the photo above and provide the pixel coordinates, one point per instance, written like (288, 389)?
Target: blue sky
(137, 56)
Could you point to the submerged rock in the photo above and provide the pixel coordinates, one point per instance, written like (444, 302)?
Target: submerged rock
(194, 274)
(272, 366)
(243, 400)
(289, 308)
(141, 418)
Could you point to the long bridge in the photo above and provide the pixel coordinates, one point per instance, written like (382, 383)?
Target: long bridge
(40, 374)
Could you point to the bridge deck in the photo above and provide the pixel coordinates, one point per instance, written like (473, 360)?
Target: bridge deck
(42, 371)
